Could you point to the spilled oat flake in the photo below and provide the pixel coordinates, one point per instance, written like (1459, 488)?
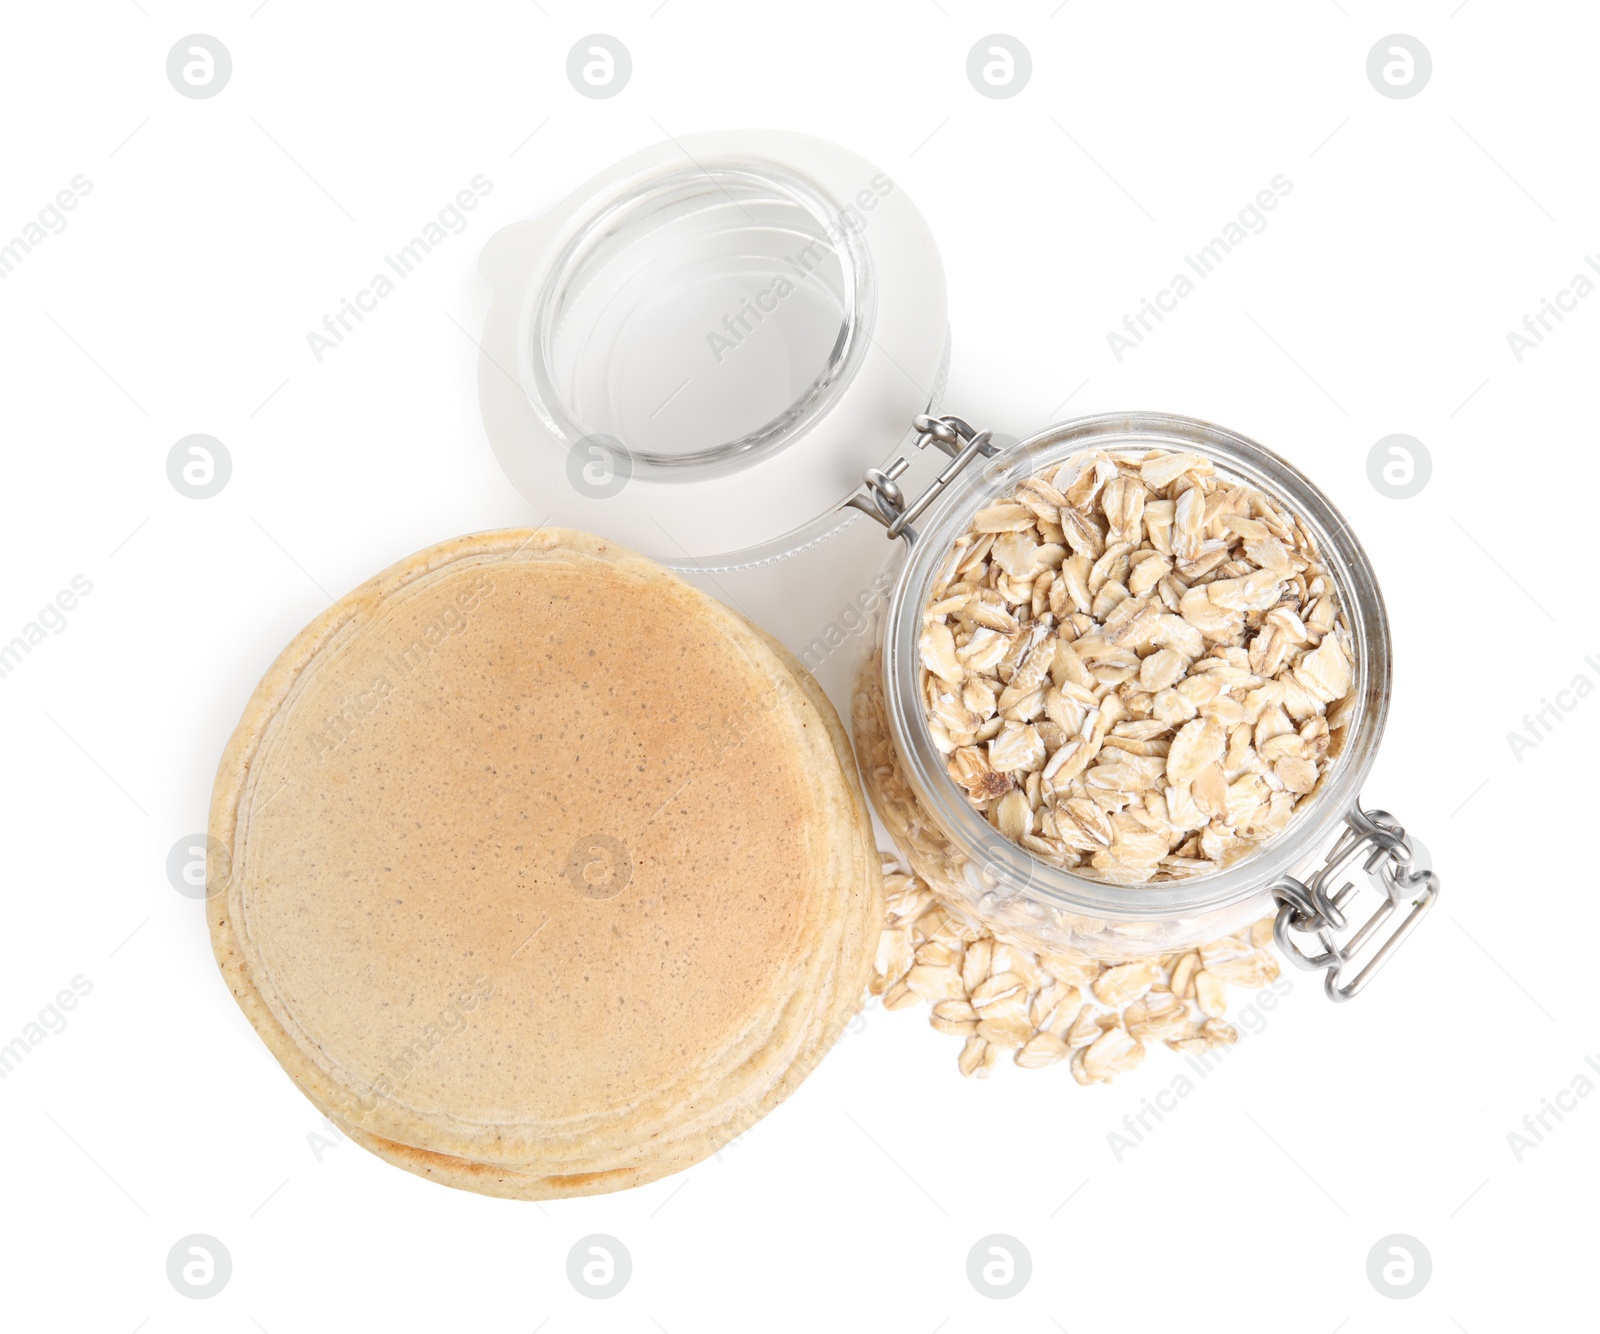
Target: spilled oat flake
(1044, 1008)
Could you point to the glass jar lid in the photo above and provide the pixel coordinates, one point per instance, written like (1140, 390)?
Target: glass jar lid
(699, 351)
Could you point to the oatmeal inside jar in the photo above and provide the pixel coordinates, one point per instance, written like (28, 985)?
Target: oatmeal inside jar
(1136, 669)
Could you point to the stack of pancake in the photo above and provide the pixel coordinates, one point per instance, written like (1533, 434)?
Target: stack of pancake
(541, 872)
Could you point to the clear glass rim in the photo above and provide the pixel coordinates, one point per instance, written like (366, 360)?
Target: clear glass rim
(631, 206)
(1361, 601)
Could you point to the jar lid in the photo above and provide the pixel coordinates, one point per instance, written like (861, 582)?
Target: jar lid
(700, 350)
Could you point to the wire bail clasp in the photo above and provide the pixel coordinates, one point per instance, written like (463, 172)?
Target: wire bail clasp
(1308, 908)
(881, 496)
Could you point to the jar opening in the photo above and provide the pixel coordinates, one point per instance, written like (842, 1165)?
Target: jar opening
(996, 859)
(702, 318)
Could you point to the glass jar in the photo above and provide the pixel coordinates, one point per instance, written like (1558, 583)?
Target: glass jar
(973, 866)
(714, 341)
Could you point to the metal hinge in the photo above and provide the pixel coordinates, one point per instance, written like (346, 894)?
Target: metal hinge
(1309, 908)
(881, 496)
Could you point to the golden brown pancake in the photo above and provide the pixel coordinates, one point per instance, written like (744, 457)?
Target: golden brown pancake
(543, 866)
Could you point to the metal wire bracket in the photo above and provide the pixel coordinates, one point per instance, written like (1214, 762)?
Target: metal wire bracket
(1309, 908)
(881, 496)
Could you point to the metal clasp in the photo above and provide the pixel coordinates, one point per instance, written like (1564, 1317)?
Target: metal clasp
(881, 496)
(1380, 842)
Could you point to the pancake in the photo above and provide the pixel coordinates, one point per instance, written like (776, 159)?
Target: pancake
(547, 873)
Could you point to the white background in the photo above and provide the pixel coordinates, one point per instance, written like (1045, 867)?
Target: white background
(1378, 300)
